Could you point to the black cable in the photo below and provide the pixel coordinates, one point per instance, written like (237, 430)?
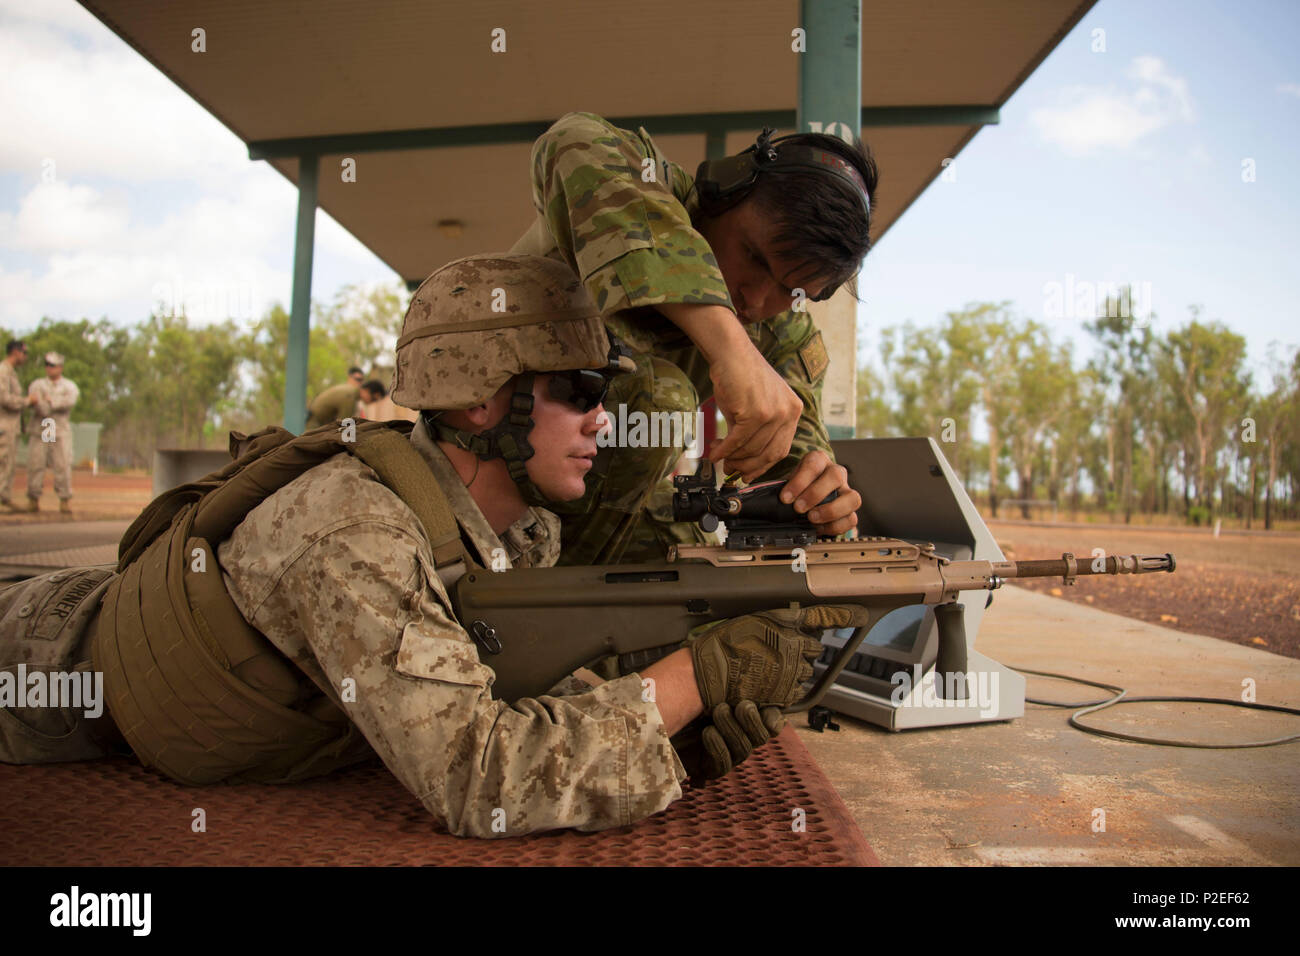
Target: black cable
(1091, 707)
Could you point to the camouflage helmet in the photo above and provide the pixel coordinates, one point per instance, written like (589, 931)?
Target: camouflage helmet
(478, 321)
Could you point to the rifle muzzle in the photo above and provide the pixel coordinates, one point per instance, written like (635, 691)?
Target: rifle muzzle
(1067, 566)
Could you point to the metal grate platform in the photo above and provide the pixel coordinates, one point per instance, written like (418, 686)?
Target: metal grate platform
(115, 813)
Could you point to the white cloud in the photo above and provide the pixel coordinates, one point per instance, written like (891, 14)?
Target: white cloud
(1291, 89)
(147, 195)
(1087, 118)
(103, 110)
(211, 256)
(57, 217)
(216, 256)
(1160, 89)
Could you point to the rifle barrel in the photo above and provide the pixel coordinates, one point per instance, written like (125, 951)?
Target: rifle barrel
(1061, 567)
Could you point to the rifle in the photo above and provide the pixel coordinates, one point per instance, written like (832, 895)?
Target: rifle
(534, 626)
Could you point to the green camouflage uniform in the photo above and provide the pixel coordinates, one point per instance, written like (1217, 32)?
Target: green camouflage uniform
(632, 243)
(335, 403)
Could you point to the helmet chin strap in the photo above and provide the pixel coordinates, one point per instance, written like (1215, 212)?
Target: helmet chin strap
(507, 440)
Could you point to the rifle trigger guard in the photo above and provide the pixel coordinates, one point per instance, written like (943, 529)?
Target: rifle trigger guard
(1071, 567)
(486, 636)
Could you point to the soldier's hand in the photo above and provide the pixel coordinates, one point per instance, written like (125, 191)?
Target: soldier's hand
(734, 733)
(815, 478)
(761, 410)
(764, 657)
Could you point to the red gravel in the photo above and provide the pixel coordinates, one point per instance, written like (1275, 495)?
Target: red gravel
(1240, 588)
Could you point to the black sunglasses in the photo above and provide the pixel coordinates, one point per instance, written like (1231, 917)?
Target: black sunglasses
(583, 388)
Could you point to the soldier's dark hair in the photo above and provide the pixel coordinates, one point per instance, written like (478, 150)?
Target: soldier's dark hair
(375, 388)
(820, 218)
(355, 371)
(15, 345)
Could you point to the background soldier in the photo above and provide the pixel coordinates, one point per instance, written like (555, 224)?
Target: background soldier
(340, 401)
(701, 287)
(12, 403)
(382, 408)
(49, 434)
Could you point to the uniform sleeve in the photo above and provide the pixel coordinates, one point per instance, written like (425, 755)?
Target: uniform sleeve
(371, 608)
(622, 230)
(42, 406)
(793, 346)
(71, 394)
(345, 404)
(11, 394)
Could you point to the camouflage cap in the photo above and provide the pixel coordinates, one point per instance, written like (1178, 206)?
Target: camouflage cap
(478, 321)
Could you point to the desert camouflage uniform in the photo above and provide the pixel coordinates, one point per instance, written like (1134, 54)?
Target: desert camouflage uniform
(43, 627)
(54, 400)
(335, 571)
(634, 247)
(12, 403)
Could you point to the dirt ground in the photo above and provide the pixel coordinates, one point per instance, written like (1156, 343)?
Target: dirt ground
(1243, 588)
(94, 497)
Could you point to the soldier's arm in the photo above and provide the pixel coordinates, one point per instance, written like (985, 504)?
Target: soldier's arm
(39, 400)
(609, 205)
(794, 347)
(13, 400)
(373, 611)
(71, 394)
(676, 692)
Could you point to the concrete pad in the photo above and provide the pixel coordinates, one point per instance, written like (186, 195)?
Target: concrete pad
(1037, 791)
(30, 549)
(28, 538)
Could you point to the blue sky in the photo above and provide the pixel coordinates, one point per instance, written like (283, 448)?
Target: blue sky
(1108, 167)
(1123, 165)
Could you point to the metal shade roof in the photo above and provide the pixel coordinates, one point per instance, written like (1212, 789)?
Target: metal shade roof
(340, 78)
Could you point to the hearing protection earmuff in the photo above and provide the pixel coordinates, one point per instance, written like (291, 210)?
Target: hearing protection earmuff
(721, 183)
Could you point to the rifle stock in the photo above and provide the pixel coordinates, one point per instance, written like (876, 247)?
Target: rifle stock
(534, 626)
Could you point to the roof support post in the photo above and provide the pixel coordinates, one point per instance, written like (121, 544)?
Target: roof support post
(715, 142)
(830, 101)
(295, 369)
